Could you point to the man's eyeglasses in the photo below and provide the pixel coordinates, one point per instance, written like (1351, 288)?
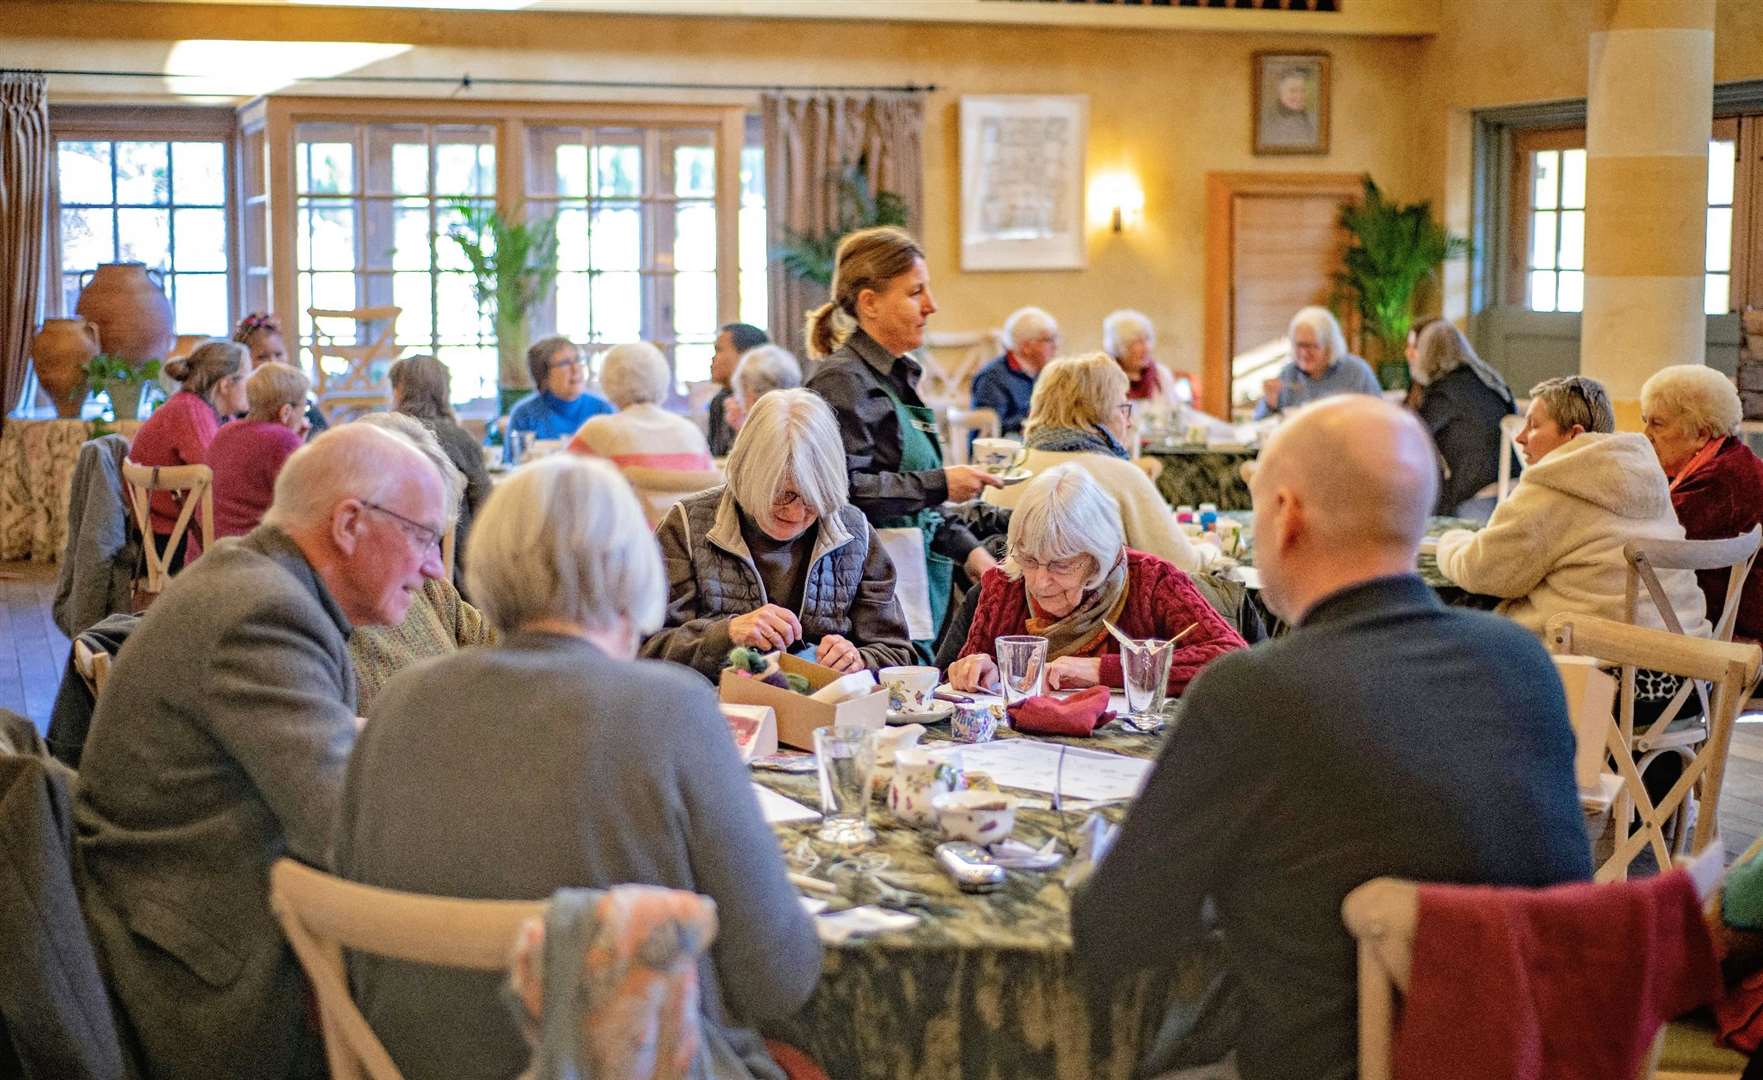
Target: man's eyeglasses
(416, 530)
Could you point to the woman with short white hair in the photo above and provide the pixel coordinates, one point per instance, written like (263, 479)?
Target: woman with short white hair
(1129, 336)
(556, 759)
(641, 434)
(1692, 414)
(1068, 572)
(1080, 414)
(1462, 402)
(778, 558)
(759, 371)
(1320, 366)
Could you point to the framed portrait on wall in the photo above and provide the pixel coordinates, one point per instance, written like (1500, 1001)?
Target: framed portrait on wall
(1291, 102)
(1022, 181)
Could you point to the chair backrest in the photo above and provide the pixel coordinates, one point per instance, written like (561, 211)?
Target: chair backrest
(1382, 915)
(659, 489)
(964, 423)
(361, 386)
(195, 487)
(1726, 667)
(951, 358)
(93, 666)
(1510, 426)
(1646, 557)
(322, 915)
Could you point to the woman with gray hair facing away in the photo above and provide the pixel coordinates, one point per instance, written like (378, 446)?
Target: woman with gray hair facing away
(1692, 414)
(778, 558)
(1462, 402)
(759, 372)
(438, 621)
(1068, 571)
(641, 434)
(556, 759)
(422, 387)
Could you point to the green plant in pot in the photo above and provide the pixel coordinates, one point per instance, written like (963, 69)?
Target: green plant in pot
(513, 266)
(121, 381)
(1394, 251)
(812, 256)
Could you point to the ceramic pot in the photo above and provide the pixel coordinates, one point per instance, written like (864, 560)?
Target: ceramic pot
(125, 399)
(128, 303)
(60, 352)
(918, 779)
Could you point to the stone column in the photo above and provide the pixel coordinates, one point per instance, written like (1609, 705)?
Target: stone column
(1649, 109)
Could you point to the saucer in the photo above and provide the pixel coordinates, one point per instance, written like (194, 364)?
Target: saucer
(935, 714)
(1016, 475)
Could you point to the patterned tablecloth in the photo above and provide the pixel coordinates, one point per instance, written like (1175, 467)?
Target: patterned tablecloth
(1428, 562)
(36, 465)
(1196, 474)
(985, 986)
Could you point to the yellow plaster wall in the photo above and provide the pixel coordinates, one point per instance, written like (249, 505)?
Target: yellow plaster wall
(1170, 107)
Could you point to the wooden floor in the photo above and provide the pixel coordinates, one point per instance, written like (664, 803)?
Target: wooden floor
(33, 655)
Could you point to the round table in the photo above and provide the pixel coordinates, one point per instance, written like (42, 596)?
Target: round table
(1203, 474)
(36, 466)
(984, 986)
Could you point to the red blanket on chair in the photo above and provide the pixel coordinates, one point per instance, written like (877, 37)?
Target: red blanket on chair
(1564, 983)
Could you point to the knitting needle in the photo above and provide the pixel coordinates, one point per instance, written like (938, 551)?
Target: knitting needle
(825, 888)
(1191, 628)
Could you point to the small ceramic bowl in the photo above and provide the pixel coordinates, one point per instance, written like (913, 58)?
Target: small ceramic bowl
(974, 723)
(980, 817)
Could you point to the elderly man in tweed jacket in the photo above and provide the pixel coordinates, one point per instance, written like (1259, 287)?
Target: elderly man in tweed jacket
(219, 746)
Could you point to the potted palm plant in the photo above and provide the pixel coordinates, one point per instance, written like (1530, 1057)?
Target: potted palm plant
(812, 256)
(1394, 249)
(513, 265)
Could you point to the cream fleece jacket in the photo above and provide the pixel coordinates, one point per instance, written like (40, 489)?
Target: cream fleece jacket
(1556, 544)
(1149, 522)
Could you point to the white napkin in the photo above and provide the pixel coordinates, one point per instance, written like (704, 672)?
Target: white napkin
(911, 579)
(842, 926)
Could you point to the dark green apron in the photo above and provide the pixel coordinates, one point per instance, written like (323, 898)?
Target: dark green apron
(920, 451)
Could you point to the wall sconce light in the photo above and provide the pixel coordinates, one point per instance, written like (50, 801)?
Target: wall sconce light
(1120, 200)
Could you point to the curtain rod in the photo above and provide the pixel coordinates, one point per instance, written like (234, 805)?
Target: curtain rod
(467, 81)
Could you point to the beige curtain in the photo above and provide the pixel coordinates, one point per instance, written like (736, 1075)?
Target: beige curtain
(810, 140)
(24, 202)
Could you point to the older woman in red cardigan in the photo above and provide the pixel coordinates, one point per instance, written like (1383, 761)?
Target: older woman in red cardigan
(1068, 570)
(1692, 415)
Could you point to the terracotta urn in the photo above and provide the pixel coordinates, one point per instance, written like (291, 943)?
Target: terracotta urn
(60, 352)
(128, 303)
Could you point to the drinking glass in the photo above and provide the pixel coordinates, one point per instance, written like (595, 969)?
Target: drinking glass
(845, 760)
(1145, 669)
(1022, 666)
(519, 442)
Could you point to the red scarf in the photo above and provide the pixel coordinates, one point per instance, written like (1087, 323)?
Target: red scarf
(1146, 385)
(1699, 461)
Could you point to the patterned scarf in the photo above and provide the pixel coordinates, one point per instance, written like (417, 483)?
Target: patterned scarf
(1080, 632)
(1065, 440)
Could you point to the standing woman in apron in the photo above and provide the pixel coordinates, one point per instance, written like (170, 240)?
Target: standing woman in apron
(880, 303)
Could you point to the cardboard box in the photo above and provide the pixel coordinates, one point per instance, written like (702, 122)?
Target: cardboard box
(797, 715)
(754, 728)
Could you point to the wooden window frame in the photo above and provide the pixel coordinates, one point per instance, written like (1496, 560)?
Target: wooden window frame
(145, 123)
(276, 118)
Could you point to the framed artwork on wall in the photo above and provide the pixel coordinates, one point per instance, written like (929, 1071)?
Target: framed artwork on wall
(1291, 102)
(1022, 181)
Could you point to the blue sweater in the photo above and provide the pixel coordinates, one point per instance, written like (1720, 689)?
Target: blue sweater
(1005, 391)
(550, 417)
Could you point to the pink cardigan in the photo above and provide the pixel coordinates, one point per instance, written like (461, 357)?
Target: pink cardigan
(246, 456)
(178, 433)
(1160, 602)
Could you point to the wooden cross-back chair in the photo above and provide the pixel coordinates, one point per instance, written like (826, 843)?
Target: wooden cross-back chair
(193, 486)
(1383, 915)
(1727, 668)
(361, 386)
(322, 915)
(1645, 560)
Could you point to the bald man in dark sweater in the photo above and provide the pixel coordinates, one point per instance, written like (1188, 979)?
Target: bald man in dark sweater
(1386, 735)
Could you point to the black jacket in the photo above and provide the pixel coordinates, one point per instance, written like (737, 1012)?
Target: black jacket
(1463, 414)
(1386, 735)
(854, 379)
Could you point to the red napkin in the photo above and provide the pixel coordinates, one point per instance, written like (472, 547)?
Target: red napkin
(1076, 716)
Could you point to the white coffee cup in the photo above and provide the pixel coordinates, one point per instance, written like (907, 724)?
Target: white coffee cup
(997, 455)
(916, 684)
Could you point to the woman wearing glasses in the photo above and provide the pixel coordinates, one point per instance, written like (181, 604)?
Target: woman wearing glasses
(1068, 571)
(1556, 544)
(560, 403)
(778, 558)
(1079, 413)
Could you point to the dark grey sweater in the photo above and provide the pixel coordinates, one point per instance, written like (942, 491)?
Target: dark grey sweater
(510, 772)
(1387, 735)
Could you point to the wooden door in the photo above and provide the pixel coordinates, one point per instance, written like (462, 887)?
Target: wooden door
(1273, 245)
